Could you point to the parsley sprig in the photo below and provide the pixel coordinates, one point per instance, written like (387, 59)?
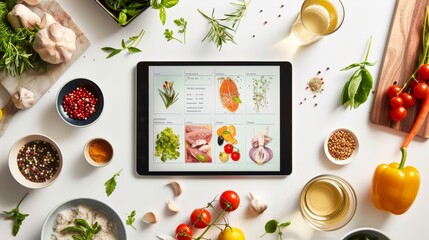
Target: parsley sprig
(182, 24)
(17, 217)
(111, 183)
(131, 45)
(131, 218)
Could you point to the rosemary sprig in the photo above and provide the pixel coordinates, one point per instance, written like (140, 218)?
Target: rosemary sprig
(236, 16)
(218, 33)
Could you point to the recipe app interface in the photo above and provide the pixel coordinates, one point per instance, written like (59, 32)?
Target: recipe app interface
(214, 118)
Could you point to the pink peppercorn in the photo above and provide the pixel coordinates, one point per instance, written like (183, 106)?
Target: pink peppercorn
(79, 103)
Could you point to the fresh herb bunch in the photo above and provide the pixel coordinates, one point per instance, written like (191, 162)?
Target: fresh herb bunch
(167, 145)
(161, 6)
(83, 230)
(131, 46)
(17, 217)
(111, 183)
(127, 8)
(182, 24)
(131, 218)
(357, 89)
(16, 46)
(220, 33)
(274, 225)
(168, 94)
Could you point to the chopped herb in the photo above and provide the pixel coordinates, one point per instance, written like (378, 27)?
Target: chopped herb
(17, 217)
(111, 183)
(131, 46)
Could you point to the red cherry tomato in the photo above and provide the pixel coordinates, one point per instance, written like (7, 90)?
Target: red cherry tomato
(398, 114)
(408, 99)
(415, 82)
(229, 200)
(200, 218)
(393, 91)
(396, 102)
(235, 156)
(228, 148)
(421, 90)
(184, 232)
(423, 72)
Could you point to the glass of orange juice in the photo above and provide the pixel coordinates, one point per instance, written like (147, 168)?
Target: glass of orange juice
(317, 18)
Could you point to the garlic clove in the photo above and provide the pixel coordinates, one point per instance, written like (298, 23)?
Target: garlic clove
(257, 206)
(177, 188)
(47, 20)
(22, 17)
(172, 206)
(150, 218)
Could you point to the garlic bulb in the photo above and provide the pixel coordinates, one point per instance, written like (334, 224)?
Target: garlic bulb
(23, 99)
(47, 20)
(55, 44)
(256, 205)
(22, 17)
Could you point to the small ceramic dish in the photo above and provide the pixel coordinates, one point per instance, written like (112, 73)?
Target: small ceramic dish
(115, 14)
(341, 146)
(88, 203)
(91, 87)
(38, 173)
(98, 152)
(370, 233)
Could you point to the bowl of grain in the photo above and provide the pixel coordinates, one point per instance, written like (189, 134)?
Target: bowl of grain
(341, 146)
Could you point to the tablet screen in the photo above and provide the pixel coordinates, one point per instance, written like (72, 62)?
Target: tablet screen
(202, 118)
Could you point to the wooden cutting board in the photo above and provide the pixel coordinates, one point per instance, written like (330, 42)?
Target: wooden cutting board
(40, 82)
(401, 56)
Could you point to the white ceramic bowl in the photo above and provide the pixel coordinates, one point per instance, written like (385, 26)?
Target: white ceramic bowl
(345, 161)
(370, 232)
(48, 225)
(13, 162)
(88, 157)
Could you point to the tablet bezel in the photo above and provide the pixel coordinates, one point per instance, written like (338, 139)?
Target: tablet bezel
(142, 117)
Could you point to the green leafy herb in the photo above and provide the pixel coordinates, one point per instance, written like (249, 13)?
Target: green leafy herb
(83, 230)
(240, 12)
(218, 33)
(127, 8)
(16, 47)
(167, 145)
(182, 23)
(131, 46)
(131, 218)
(356, 90)
(274, 225)
(17, 217)
(111, 183)
(161, 6)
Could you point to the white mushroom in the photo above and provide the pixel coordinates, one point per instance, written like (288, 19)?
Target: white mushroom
(23, 99)
(22, 17)
(55, 44)
(149, 218)
(47, 20)
(177, 188)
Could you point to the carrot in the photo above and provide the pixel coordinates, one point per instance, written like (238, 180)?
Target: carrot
(424, 110)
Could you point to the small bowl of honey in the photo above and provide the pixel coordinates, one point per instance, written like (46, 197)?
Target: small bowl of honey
(98, 152)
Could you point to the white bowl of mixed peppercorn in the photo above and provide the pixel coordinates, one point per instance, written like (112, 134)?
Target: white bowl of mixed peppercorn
(35, 161)
(341, 146)
(80, 102)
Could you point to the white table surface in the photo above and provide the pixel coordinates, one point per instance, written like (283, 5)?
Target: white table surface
(311, 124)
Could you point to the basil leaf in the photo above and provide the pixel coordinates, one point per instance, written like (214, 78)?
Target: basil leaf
(111, 183)
(134, 50)
(122, 18)
(162, 15)
(353, 87)
(155, 4)
(169, 3)
(351, 66)
(364, 88)
(345, 93)
(271, 226)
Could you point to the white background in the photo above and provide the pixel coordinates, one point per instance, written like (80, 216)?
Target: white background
(311, 125)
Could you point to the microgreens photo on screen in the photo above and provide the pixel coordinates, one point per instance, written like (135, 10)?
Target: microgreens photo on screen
(202, 118)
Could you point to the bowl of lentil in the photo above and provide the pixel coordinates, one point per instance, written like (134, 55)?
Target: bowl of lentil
(80, 102)
(35, 161)
(98, 152)
(341, 146)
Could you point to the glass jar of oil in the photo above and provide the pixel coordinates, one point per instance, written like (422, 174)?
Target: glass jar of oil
(327, 202)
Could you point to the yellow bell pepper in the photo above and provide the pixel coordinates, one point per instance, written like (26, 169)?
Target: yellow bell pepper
(395, 187)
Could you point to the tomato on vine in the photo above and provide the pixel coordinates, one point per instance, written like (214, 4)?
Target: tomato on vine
(398, 114)
(423, 72)
(184, 232)
(393, 91)
(408, 99)
(421, 90)
(229, 200)
(200, 218)
(396, 102)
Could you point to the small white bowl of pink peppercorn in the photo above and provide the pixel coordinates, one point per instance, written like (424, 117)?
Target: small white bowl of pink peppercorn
(341, 146)
(35, 161)
(80, 102)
